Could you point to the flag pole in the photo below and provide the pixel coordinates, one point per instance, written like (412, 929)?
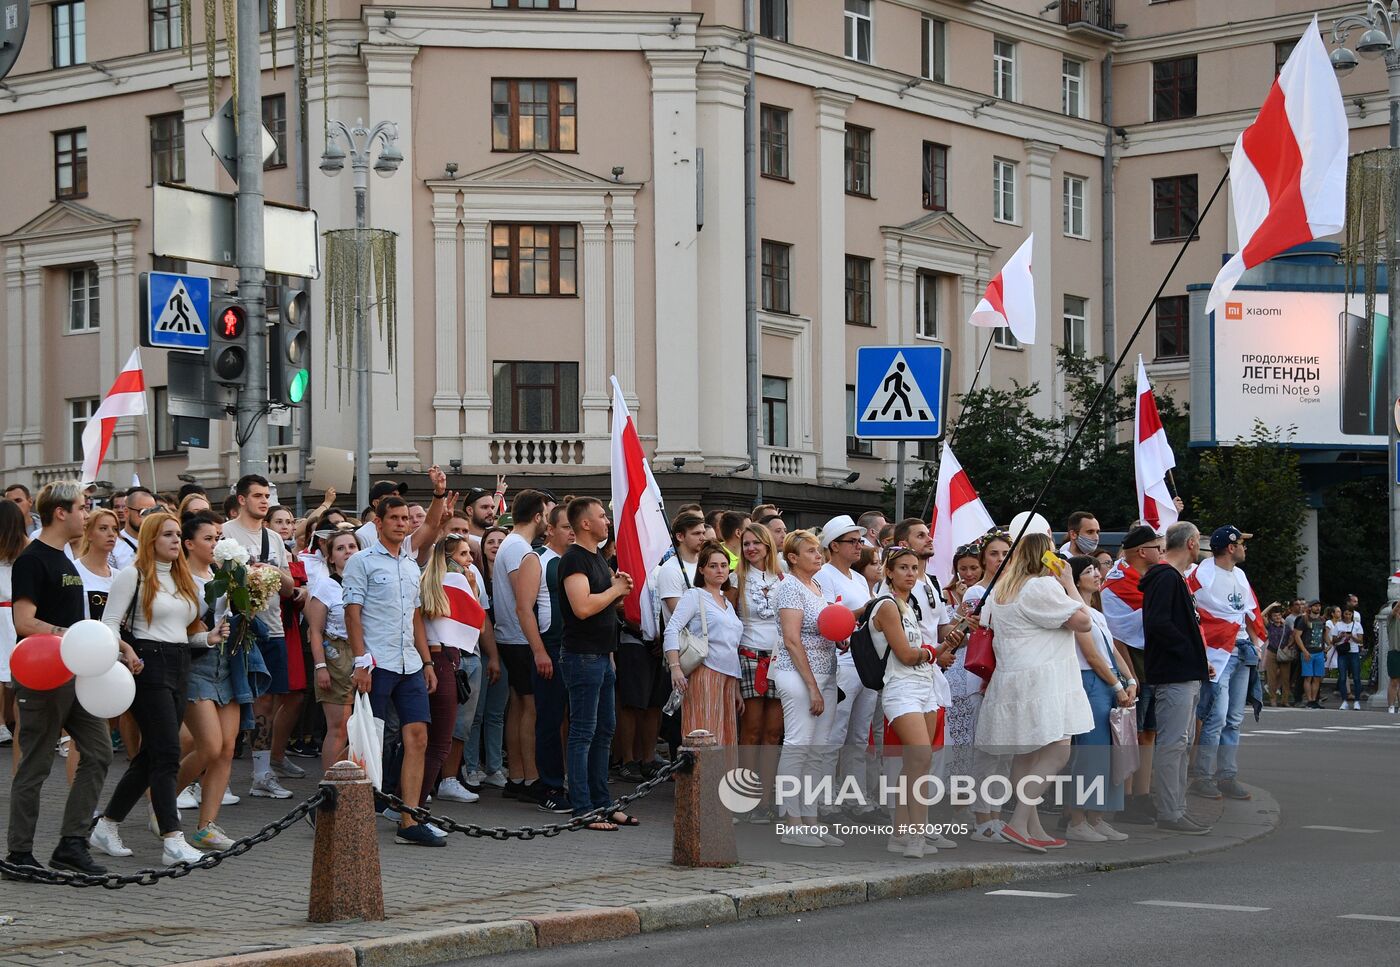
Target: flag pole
(150, 446)
(953, 437)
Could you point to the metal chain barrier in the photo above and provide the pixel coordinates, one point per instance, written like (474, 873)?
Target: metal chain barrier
(682, 763)
(149, 877)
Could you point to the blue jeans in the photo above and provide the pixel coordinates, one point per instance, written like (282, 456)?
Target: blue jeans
(1217, 756)
(1349, 664)
(490, 720)
(591, 682)
(551, 704)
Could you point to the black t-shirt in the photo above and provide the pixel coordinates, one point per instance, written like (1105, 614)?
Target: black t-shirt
(44, 575)
(590, 636)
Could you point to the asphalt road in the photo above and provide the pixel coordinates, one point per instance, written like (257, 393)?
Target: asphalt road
(1299, 896)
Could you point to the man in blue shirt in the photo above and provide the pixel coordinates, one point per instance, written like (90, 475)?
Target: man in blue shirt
(381, 588)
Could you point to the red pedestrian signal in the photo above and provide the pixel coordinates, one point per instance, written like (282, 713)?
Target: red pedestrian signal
(232, 322)
(228, 350)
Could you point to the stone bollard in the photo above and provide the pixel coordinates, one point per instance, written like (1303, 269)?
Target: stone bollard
(345, 878)
(704, 828)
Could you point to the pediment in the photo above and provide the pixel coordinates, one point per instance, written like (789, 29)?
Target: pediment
(66, 218)
(942, 227)
(535, 169)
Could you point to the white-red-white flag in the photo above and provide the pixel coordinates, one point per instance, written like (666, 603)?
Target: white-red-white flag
(127, 397)
(1010, 297)
(1288, 173)
(461, 626)
(958, 515)
(639, 515)
(1122, 604)
(1226, 604)
(1152, 458)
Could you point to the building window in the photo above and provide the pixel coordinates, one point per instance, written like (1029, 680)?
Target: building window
(1075, 224)
(926, 305)
(858, 273)
(857, 160)
(1076, 325)
(773, 141)
(69, 33)
(274, 112)
(1283, 49)
(859, 30)
(283, 14)
(534, 4)
(167, 148)
(934, 36)
(83, 314)
(1003, 337)
(533, 115)
(1003, 190)
(167, 32)
(70, 163)
(1174, 202)
(775, 411)
(534, 260)
(535, 398)
(1003, 69)
(1173, 327)
(773, 19)
(855, 446)
(166, 442)
(1072, 87)
(777, 277)
(935, 177)
(1174, 89)
(79, 412)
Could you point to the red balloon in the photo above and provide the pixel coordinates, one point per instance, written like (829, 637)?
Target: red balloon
(36, 663)
(836, 622)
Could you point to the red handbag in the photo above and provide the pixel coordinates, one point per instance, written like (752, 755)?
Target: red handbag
(981, 659)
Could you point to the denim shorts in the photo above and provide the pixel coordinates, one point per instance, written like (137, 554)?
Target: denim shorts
(210, 677)
(409, 694)
(274, 654)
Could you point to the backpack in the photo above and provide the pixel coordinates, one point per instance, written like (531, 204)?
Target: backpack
(870, 666)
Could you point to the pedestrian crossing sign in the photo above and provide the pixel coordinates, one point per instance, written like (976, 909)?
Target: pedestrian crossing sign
(900, 392)
(175, 311)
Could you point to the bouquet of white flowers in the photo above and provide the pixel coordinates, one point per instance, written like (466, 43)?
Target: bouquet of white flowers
(248, 589)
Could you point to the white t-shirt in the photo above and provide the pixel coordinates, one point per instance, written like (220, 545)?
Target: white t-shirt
(123, 552)
(271, 616)
(673, 579)
(7, 621)
(894, 668)
(759, 608)
(512, 551)
(852, 592)
(327, 590)
(1103, 641)
(95, 590)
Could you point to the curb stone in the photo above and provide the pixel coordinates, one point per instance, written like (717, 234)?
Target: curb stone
(813, 894)
(581, 926)
(694, 911)
(440, 946)
(317, 955)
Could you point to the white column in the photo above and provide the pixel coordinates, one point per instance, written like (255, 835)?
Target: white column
(389, 70)
(595, 397)
(32, 378)
(14, 361)
(476, 395)
(673, 92)
(829, 389)
(1041, 201)
(969, 345)
(447, 390)
(624, 295)
(1232, 230)
(720, 120)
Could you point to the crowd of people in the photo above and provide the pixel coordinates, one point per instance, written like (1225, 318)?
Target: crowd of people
(552, 690)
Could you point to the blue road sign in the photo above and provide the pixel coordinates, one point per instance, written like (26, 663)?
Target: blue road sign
(900, 392)
(175, 311)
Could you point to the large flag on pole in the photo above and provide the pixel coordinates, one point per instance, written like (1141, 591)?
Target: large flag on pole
(958, 514)
(639, 515)
(1010, 297)
(1288, 172)
(1152, 458)
(127, 397)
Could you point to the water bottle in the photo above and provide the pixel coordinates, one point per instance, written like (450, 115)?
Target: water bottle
(673, 704)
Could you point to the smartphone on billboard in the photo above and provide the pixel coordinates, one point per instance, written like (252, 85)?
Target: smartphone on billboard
(1380, 375)
(1365, 376)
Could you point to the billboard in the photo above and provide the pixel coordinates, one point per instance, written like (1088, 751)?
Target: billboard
(1310, 360)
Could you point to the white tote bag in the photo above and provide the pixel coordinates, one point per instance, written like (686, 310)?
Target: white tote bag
(366, 735)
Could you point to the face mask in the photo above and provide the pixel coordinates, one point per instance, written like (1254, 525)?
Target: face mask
(1086, 544)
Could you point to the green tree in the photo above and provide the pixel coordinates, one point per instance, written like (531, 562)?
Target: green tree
(1352, 549)
(1256, 486)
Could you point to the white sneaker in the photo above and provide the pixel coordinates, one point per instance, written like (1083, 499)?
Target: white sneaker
(105, 836)
(176, 849)
(939, 841)
(1391, 710)
(916, 850)
(153, 824)
(269, 788)
(830, 840)
(1108, 832)
(475, 778)
(6, 737)
(64, 744)
(452, 790)
(1082, 833)
(897, 844)
(287, 769)
(436, 831)
(497, 779)
(800, 839)
(189, 797)
(989, 832)
(230, 799)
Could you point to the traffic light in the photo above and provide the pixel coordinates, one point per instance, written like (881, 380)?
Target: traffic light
(289, 356)
(228, 343)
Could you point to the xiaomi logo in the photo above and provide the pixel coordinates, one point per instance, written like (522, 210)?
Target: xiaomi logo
(1234, 310)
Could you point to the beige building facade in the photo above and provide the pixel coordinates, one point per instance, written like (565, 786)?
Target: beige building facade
(571, 207)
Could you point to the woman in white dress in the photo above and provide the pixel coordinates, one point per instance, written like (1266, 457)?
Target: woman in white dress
(761, 725)
(1035, 701)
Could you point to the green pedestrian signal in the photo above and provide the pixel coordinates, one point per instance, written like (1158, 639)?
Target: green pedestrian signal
(289, 355)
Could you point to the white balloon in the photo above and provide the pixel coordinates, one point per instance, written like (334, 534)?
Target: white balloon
(1038, 524)
(108, 695)
(89, 648)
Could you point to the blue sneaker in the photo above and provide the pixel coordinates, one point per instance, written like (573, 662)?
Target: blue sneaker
(418, 836)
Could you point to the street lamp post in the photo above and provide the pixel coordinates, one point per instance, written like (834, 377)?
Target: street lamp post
(360, 142)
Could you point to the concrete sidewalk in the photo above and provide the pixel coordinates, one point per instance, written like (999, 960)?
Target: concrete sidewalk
(479, 896)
